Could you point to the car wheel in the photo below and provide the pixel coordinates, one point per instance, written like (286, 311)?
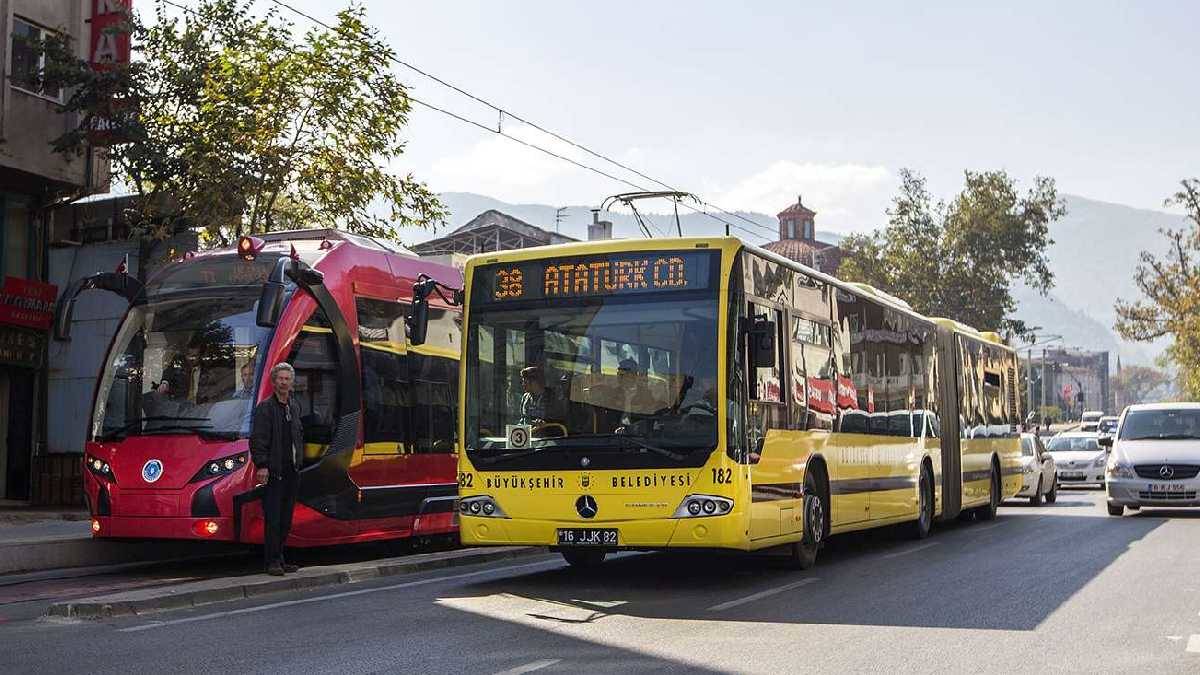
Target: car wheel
(924, 522)
(989, 512)
(1116, 510)
(803, 554)
(583, 558)
(1052, 495)
(1036, 499)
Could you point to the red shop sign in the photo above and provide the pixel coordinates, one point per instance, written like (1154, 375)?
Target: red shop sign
(27, 303)
(110, 33)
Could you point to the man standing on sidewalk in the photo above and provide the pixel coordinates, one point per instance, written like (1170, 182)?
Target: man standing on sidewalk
(276, 442)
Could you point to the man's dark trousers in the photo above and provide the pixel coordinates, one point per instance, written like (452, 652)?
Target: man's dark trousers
(279, 498)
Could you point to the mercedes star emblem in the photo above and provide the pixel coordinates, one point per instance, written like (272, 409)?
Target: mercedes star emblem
(1166, 472)
(586, 506)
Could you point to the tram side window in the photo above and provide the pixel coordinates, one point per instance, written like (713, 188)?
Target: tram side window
(314, 356)
(434, 381)
(385, 396)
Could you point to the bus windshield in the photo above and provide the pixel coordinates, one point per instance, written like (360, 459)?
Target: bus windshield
(183, 363)
(601, 382)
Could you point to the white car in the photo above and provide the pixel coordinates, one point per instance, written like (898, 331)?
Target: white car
(1039, 477)
(1155, 458)
(1078, 457)
(1090, 421)
(1108, 425)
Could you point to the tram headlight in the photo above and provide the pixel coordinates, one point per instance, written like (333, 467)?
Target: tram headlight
(482, 506)
(100, 468)
(700, 506)
(220, 467)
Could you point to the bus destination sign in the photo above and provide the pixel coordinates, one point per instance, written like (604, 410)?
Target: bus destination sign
(590, 276)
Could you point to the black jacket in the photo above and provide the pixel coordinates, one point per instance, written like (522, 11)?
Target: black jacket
(266, 435)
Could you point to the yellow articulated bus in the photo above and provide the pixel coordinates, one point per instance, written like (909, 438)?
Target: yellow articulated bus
(703, 393)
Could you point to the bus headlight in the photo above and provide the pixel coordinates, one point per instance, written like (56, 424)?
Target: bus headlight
(482, 506)
(699, 506)
(220, 467)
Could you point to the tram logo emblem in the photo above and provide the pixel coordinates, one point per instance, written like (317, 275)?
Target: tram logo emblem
(152, 470)
(1166, 472)
(586, 507)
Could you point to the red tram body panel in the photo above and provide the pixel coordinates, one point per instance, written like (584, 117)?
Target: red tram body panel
(168, 455)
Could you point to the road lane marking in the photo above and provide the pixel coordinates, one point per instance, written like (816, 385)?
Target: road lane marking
(334, 596)
(914, 549)
(1194, 644)
(761, 594)
(529, 667)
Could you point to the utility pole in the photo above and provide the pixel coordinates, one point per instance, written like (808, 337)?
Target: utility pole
(559, 216)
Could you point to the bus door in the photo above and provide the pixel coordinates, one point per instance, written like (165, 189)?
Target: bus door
(766, 416)
(948, 379)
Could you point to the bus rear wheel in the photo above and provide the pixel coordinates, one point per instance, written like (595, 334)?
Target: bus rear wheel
(924, 522)
(583, 558)
(816, 524)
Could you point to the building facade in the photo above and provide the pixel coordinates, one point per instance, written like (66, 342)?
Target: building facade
(798, 239)
(33, 179)
(1072, 380)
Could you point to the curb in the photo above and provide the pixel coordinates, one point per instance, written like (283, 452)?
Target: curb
(230, 589)
(67, 551)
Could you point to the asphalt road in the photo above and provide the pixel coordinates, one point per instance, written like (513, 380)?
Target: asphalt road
(1058, 588)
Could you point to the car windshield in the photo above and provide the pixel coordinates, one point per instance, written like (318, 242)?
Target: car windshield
(631, 380)
(1073, 444)
(1165, 424)
(182, 364)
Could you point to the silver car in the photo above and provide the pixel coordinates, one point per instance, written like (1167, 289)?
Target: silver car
(1078, 458)
(1154, 458)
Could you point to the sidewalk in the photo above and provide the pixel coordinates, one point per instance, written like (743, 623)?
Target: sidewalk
(229, 589)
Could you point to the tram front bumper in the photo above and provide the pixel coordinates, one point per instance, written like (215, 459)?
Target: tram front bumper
(201, 529)
(726, 531)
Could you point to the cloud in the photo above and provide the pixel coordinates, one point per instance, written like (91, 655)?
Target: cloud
(846, 197)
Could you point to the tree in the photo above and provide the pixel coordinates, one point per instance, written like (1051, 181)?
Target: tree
(245, 127)
(1170, 288)
(1137, 384)
(959, 260)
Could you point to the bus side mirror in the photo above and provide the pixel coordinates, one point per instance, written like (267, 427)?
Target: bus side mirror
(762, 343)
(270, 304)
(418, 321)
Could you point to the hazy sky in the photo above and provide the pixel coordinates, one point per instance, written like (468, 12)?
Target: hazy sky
(749, 104)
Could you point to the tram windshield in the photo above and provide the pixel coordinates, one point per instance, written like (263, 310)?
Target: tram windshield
(185, 360)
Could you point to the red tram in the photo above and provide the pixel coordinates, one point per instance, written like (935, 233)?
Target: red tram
(168, 453)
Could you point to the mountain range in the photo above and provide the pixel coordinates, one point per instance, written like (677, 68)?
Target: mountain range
(1094, 255)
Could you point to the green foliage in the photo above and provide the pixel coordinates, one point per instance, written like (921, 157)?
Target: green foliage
(959, 260)
(1050, 412)
(1170, 287)
(244, 127)
(1138, 384)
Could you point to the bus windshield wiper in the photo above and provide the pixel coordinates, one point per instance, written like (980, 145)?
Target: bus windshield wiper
(640, 443)
(121, 431)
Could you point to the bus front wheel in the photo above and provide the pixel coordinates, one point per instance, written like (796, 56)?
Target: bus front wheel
(816, 523)
(582, 558)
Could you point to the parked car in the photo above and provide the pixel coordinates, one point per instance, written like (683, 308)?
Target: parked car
(1108, 425)
(1154, 458)
(1039, 476)
(1078, 457)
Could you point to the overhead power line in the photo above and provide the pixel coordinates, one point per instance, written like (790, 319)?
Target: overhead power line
(503, 112)
(500, 132)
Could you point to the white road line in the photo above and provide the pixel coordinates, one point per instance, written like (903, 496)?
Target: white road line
(529, 667)
(761, 594)
(334, 596)
(914, 549)
(1194, 644)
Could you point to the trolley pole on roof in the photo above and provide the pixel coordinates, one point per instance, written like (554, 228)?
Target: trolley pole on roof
(628, 198)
